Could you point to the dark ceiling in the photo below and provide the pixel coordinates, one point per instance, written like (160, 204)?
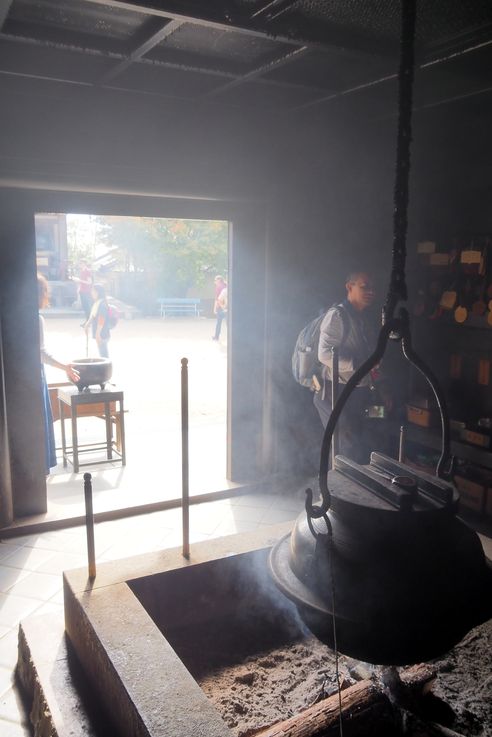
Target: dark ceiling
(280, 54)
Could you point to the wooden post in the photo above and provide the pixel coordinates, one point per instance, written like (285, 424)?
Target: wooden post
(185, 492)
(89, 525)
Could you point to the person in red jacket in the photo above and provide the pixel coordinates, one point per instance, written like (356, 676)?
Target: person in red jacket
(220, 304)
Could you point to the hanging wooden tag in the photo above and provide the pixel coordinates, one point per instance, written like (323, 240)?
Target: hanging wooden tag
(448, 300)
(460, 314)
(439, 259)
(471, 257)
(484, 372)
(426, 247)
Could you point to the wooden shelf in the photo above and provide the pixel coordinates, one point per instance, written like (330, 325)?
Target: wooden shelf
(472, 321)
(430, 438)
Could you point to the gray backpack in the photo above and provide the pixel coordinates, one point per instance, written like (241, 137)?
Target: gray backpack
(306, 368)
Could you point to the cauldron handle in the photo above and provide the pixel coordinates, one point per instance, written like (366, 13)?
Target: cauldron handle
(399, 329)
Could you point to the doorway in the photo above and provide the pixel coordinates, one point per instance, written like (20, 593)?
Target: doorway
(162, 277)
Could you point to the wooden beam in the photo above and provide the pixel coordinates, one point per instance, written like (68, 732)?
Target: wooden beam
(155, 38)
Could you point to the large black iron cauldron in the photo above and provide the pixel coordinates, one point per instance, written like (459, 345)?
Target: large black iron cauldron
(93, 371)
(409, 578)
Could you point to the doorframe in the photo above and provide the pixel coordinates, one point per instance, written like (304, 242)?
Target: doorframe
(23, 488)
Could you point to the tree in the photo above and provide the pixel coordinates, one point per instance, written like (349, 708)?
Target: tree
(174, 254)
(81, 234)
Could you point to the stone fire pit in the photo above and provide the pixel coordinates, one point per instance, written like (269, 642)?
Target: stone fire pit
(208, 648)
(116, 624)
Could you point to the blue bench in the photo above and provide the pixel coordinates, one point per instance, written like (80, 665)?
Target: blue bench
(179, 306)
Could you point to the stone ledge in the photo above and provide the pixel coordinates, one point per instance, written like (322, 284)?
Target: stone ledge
(58, 691)
(53, 685)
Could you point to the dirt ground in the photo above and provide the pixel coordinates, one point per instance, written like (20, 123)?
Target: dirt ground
(258, 663)
(276, 685)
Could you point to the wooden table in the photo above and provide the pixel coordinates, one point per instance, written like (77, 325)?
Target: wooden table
(73, 399)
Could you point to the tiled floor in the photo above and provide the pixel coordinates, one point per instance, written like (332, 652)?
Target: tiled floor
(146, 357)
(31, 567)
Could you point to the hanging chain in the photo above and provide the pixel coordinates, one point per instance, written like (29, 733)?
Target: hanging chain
(397, 288)
(397, 292)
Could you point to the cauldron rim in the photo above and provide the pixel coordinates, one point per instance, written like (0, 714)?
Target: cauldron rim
(93, 371)
(91, 361)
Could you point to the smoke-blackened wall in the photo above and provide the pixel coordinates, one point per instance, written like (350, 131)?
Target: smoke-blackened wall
(332, 213)
(323, 187)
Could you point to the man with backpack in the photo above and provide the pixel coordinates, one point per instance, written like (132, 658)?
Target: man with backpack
(347, 327)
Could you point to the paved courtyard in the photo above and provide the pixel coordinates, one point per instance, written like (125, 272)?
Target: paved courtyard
(146, 355)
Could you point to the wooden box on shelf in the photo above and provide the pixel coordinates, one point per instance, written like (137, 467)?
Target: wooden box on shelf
(472, 493)
(422, 416)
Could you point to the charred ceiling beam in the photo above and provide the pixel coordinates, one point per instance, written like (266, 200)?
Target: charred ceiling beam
(28, 31)
(53, 48)
(143, 48)
(458, 43)
(280, 61)
(293, 28)
(455, 98)
(55, 64)
(273, 8)
(4, 11)
(450, 57)
(202, 15)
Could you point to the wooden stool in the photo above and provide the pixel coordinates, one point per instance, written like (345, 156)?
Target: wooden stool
(98, 402)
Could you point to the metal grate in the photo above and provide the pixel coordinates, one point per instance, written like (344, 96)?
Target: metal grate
(217, 47)
(75, 16)
(275, 53)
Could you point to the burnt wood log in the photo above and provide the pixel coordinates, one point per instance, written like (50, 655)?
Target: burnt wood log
(409, 684)
(365, 711)
(418, 678)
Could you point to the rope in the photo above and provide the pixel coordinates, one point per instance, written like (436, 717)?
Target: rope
(330, 551)
(335, 644)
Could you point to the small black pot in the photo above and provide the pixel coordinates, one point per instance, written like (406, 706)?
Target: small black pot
(92, 371)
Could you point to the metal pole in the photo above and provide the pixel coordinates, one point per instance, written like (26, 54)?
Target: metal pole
(401, 448)
(89, 525)
(185, 492)
(334, 397)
